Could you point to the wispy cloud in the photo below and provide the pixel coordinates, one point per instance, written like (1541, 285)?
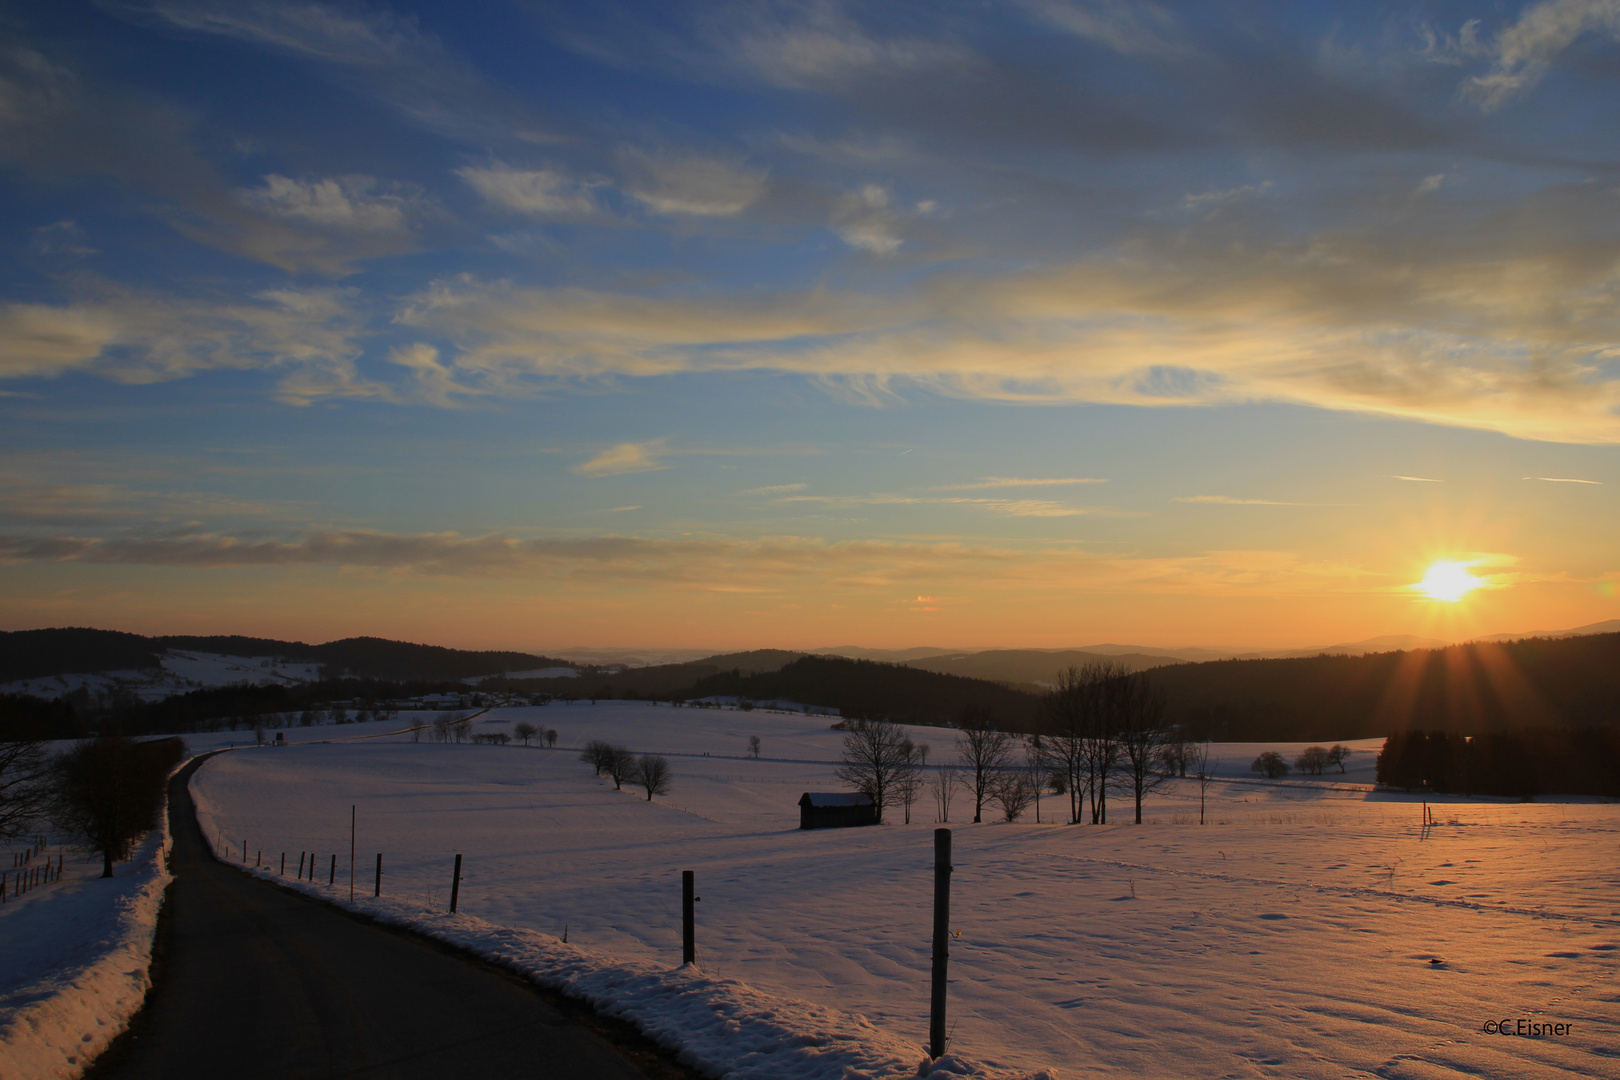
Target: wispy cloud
(689, 185)
(1524, 50)
(1302, 323)
(1562, 480)
(544, 194)
(625, 458)
(818, 47)
(1130, 27)
(1418, 479)
(352, 203)
(864, 220)
(55, 123)
(1209, 200)
(436, 383)
(1016, 482)
(311, 336)
(387, 57)
(775, 489)
(768, 563)
(1004, 507)
(1228, 500)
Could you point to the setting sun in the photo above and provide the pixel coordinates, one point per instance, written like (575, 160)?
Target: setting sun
(1448, 581)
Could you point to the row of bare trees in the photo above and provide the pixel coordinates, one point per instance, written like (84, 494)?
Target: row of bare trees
(1102, 732)
(650, 772)
(526, 731)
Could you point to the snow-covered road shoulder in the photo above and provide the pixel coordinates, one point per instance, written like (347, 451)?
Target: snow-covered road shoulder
(77, 960)
(719, 1027)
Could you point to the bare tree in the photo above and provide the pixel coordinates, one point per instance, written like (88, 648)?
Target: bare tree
(1063, 737)
(944, 788)
(1139, 710)
(108, 790)
(1203, 768)
(652, 772)
(1012, 791)
(24, 784)
(984, 751)
(620, 765)
(551, 736)
(753, 746)
(1338, 755)
(1270, 765)
(525, 731)
(909, 783)
(1037, 760)
(876, 756)
(1312, 760)
(596, 754)
(1178, 751)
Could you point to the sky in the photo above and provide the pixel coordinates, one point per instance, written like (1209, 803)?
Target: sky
(736, 325)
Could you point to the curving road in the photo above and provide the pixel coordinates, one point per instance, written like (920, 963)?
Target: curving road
(255, 981)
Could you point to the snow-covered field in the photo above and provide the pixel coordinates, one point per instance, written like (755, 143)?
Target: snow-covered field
(1312, 929)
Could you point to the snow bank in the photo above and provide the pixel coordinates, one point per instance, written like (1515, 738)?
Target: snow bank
(76, 959)
(720, 1027)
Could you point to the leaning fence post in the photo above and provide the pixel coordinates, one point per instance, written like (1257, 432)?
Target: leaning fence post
(455, 885)
(283, 864)
(333, 879)
(942, 941)
(688, 917)
(377, 890)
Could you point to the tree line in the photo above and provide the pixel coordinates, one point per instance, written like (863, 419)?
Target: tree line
(1519, 763)
(649, 772)
(102, 792)
(1099, 732)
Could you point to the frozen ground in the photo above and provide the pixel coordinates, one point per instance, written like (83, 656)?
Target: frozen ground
(1313, 929)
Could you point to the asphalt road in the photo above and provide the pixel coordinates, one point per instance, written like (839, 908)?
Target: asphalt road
(255, 981)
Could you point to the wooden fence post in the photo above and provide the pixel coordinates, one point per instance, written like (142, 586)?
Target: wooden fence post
(455, 885)
(377, 890)
(283, 864)
(333, 879)
(688, 917)
(942, 941)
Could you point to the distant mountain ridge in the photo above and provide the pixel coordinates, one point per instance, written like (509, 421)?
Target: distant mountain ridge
(33, 654)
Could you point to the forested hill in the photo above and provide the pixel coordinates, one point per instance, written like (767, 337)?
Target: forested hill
(30, 654)
(871, 689)
(1471, 689)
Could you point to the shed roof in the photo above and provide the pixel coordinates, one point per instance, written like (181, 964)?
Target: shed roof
(835, 798)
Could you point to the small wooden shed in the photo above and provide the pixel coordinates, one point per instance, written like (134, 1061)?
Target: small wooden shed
(835, 810)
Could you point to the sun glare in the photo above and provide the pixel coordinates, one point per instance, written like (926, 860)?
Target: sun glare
(1448, 581)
